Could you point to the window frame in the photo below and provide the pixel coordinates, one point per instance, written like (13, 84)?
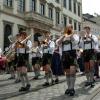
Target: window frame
(21, 5)
(57, 17)
(8, 3)
(50, 12)
(32, 5)
(42, 9)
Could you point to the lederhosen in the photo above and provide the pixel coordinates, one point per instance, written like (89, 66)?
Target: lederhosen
(88, 53)
(21, 53)
(46, 56)
(35, 58)
(98, 55)
(68, 54)
(26, 53)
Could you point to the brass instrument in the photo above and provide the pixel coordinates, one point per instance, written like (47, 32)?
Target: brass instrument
(33, 50)
(11, 38)
(82, 33)
(17, 44)
(23, 41)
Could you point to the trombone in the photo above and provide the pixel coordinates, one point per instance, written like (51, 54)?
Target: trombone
(11, 52)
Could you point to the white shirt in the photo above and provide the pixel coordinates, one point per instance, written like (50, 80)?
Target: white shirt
(88, 46)
(98, 46)
(50, 47)
(23, 50)
(75, 41)
(29, 44)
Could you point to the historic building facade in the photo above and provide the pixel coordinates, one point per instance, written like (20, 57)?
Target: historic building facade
(93, 22)
(38, 17)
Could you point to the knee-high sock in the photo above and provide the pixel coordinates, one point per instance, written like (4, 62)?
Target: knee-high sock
(18, 75)
(47, 77)
(91, 76)
(37, 70)
(26, 78)
(22, 80)
(68, 81)
(88, 76)
(37, 73)
(12, 72)
(51, 75)
(72, 81)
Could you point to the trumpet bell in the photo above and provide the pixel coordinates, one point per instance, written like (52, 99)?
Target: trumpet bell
(82, 33)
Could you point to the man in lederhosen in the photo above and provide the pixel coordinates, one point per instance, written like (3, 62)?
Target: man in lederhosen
(69, 44)
(48, 48)
(22, 49)
(97, 63)
(90, 45)
(36, 56)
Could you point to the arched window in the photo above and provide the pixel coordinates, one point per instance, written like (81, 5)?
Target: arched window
(7, 32)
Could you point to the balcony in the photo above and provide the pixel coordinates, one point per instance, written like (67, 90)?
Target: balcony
(33, 16)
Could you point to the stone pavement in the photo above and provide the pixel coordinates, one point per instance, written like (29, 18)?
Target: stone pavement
(9, 90)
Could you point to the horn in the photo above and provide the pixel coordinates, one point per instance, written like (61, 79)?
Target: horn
(12, 38)
(82, 33)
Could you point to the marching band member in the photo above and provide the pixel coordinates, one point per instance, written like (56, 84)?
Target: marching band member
(69, 44)
(36, 55)
(48, 48)
(98, 60)
(56, 65)
(90, 45)
(22, 49)
(16, 60)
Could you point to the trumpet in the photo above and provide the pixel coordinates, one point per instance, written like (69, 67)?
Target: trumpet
(82, 33)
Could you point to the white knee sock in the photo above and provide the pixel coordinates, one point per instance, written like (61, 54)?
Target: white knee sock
(72, 81)
(88, 77)
(68, 81)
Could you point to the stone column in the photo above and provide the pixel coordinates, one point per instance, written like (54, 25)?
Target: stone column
(54, 16)
(1, 33)
(67, 4)
(1, 4)
(15, 29)
(46, 9)
(72, 6)
(38, 6)
(15, 4)
(27, 5)
(77, 8)
(32, 33)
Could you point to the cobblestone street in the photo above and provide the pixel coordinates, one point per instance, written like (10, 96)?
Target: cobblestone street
(9, 90)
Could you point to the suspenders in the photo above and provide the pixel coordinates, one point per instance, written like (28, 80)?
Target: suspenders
(47, 47)
(88, 42)
(25, 48)
(67, 42)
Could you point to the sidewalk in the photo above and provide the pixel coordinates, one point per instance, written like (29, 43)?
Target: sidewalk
(56, 92)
